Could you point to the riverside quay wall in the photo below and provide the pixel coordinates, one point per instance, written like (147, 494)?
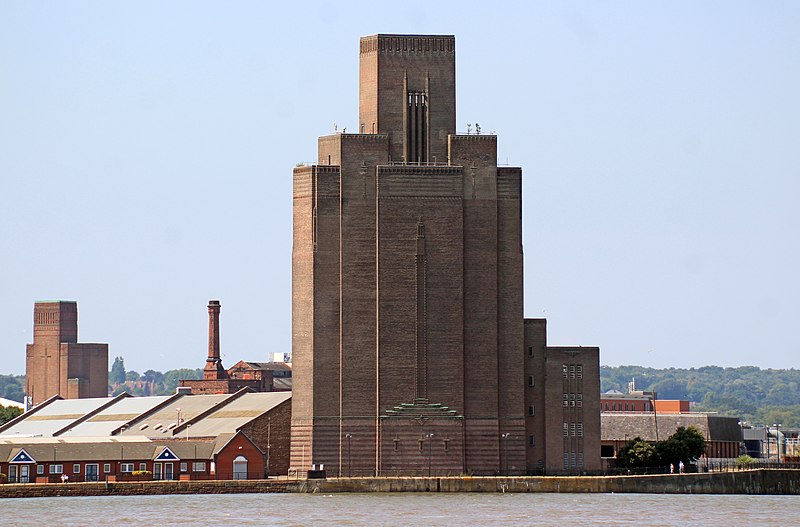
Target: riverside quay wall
(762, 481)
(742, 482)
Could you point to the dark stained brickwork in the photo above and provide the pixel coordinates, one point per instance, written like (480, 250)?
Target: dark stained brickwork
(407, 319)
(270, 433)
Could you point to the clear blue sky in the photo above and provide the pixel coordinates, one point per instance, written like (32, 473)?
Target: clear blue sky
(146, 152)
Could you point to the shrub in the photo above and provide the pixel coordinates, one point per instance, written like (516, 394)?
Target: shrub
(141, 473)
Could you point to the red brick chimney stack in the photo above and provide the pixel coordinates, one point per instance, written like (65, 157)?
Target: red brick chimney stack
(213, 369)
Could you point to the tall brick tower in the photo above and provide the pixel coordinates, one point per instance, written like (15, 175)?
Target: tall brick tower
(407, 320)
(56, 364)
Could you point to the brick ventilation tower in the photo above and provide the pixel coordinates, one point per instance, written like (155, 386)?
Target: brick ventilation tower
(407, 319)
(56, 364)
(411, 355)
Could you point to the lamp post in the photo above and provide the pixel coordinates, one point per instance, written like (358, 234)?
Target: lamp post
(505, 437)
(348, 437)
(430, 452)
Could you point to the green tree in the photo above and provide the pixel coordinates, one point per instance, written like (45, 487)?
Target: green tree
(727, 405)
(686, 445)
(12, 387)
(7, 413)
(172, 378)
(672, 388)
(138, 392)
(153, 376)
(117, 374)
(132, 375)
(788, 416)
(637, 453)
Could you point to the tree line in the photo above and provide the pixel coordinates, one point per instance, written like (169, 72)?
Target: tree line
(12, 387)
(758, 396)
(7, 413)
(151, 382)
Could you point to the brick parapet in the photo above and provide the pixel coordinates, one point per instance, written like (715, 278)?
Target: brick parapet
(421, 44)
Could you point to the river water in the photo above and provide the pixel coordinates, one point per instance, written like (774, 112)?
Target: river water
(233, 510)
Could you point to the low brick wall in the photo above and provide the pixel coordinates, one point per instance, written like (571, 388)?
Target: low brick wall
(763, 481)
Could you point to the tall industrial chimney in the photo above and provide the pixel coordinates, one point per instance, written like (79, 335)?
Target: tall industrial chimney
(213, 369)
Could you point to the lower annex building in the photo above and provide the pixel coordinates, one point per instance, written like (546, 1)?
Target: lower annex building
(411, 354)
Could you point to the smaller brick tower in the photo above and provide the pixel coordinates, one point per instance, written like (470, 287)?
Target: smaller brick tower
(214, 370)
(56, 364)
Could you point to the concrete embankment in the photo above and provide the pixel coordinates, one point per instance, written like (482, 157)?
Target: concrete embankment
(761, 481)
(743, 482)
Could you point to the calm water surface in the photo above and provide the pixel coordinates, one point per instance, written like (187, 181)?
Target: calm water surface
(404, 509)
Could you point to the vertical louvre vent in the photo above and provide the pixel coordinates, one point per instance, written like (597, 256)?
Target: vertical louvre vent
(417, 131)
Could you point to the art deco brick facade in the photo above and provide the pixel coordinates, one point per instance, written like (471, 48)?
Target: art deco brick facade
(56, 364)
(407, 316)
(562, 398)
